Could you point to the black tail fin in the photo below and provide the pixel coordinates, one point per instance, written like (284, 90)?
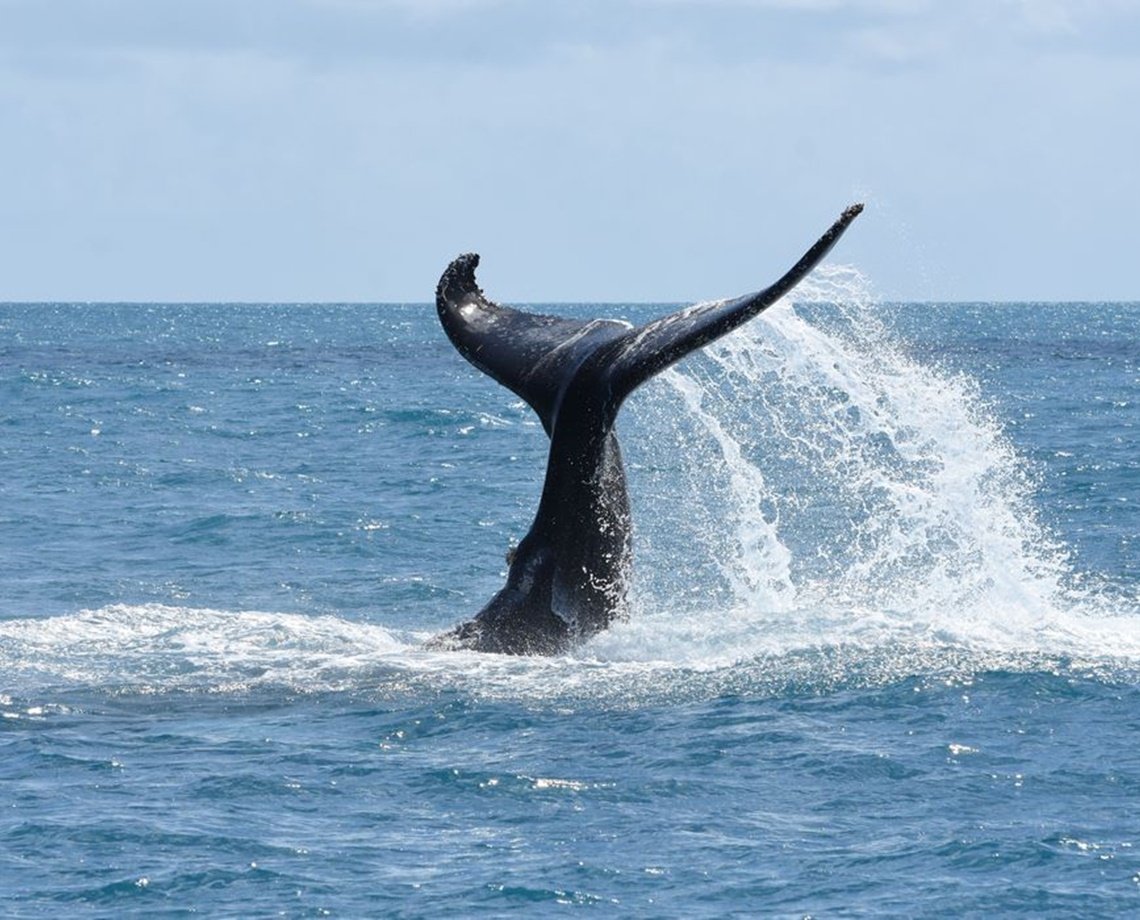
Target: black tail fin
(534, 355)
(656, 345)
(530, 354)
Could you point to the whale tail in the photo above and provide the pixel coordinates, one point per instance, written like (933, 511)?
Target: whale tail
(568, 578)
(535, 355)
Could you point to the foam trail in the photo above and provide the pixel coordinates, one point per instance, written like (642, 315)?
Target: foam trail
(158, 648)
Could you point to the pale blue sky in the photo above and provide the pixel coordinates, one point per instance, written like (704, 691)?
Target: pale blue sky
(598, 150)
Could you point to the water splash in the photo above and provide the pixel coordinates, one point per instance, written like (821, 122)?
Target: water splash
(855, 495)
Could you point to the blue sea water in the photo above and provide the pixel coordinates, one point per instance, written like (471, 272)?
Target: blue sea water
(884, 655)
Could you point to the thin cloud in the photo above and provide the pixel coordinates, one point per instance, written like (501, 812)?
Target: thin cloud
(345, 148)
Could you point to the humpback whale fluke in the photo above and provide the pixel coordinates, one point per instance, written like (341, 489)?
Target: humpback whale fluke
(568, 575)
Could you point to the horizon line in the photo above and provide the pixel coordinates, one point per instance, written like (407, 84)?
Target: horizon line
(884, 302)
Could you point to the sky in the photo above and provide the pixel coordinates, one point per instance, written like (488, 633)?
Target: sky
(600, 150)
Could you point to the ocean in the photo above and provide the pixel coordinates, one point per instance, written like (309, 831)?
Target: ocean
(883, 656)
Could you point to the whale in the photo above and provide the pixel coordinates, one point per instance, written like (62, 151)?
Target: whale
(568, 578)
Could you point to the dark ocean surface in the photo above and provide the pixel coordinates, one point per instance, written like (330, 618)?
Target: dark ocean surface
(884, 655)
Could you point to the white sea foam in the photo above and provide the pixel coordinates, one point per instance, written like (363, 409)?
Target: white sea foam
(155, 647)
